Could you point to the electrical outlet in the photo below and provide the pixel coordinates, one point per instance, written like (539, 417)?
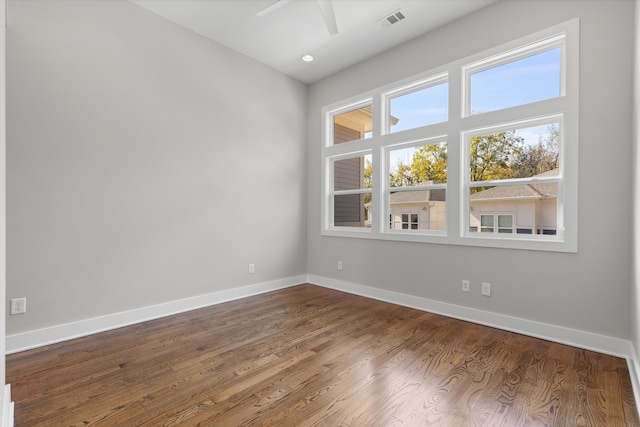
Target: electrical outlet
(252, 268)
(18, 305)
(340, 265)
(486, 289)
(466, 286)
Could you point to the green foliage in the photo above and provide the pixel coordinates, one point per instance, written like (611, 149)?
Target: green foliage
(368, 171)
(491, 156)
(430, 163)
(500, 155)
(540, 158)
(402, 177)
(368, 179)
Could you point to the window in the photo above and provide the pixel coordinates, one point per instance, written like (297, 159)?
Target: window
(505, 224)
(420, 104)
(417, 183)
(495, 84)
(495, 223)
(480, 152)
(353, 124)
(515, 167)
(486, 223)
(351, 190)
(407, 221)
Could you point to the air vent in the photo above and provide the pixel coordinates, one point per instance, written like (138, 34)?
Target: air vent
(392, 18)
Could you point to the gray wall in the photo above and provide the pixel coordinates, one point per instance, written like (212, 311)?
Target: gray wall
(145, 163)
(635, 289)
(589, 290)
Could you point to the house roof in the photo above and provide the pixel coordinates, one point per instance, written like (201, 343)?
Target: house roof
(547, 190)
(418, 196)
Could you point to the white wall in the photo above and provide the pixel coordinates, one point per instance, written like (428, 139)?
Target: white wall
(587, 291)
(146, 164)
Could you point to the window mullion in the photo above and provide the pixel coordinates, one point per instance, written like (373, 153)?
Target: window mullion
(454, 145)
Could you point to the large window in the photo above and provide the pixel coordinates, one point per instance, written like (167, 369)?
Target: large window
(482, 151)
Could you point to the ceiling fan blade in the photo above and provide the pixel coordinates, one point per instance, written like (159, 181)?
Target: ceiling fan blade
(273, 7)
(326, 9)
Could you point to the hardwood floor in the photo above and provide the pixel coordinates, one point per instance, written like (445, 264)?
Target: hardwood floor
(309, 356)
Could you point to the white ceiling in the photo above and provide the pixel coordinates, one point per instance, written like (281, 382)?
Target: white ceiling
(280, 38)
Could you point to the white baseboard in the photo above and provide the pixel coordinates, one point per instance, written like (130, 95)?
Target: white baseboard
(634, 370)
(41, 337)
(7, 407)
(576, 338)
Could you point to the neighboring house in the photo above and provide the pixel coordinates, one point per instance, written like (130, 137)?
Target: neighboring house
(415, 210)
(349, 210)
(522, 208)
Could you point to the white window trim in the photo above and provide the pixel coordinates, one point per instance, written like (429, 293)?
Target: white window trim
(455, 128)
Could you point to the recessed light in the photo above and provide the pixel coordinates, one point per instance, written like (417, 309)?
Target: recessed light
(307, 58)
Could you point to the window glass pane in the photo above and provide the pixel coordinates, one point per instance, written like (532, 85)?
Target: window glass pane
(352, 125)
(526, 80)
(418, 165)
(420, 108)
(349, 210)
(505, 221)
(353, 173)
(517, 153)
(418, 210)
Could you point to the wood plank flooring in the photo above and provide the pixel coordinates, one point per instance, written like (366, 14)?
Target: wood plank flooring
(309, 356)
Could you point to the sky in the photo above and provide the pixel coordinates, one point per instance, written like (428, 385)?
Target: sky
(530, 79)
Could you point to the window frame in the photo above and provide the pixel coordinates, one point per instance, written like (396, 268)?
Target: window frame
(333, 192)
(558, 179)
(455, 130)
(506, 57)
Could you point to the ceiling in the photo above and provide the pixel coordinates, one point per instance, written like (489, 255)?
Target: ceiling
(281, 36)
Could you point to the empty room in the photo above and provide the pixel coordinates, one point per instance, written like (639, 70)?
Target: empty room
(319, 212)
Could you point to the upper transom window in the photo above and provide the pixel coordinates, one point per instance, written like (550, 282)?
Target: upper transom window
(419, 104)
(522, 76)
(353, 124)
